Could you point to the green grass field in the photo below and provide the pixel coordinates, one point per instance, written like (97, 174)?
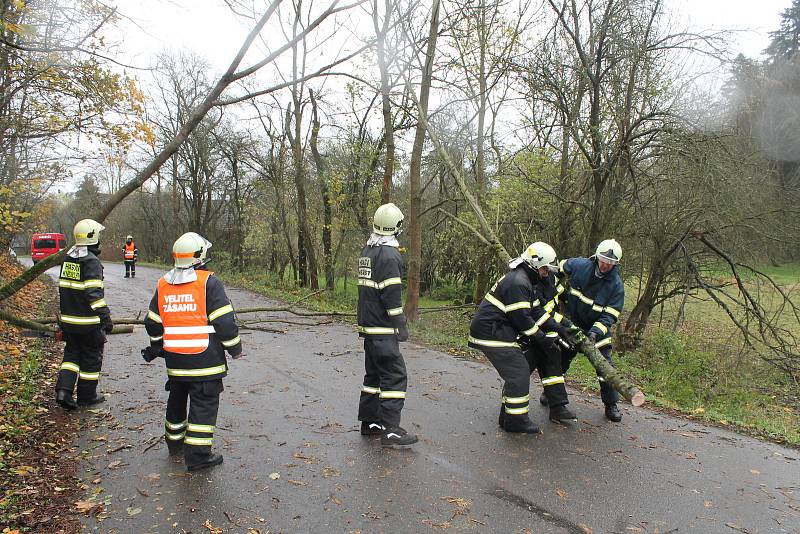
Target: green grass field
(700, 368)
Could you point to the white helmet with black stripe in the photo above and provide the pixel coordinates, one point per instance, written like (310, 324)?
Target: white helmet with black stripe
(540, 254)
(609, 251)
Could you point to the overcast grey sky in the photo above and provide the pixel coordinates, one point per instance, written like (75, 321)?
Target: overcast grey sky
(208, 28)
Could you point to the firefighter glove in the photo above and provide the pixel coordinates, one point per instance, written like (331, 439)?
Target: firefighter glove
(577, 334)
(151, 353)
(547, 343)
(592, 337)
(236, 352)
(106, 324)
(399, 322)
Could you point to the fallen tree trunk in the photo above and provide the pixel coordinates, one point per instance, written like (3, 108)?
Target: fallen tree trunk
(47, 324)
(611, 375)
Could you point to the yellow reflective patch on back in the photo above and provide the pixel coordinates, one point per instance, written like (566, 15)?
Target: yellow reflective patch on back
(71, 271)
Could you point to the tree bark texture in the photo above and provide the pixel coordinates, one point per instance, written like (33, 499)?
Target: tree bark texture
(415, 187)
(610, 374)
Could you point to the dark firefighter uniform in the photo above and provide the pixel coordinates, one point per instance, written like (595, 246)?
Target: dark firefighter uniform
(130, 254)
(84, 318)
(512, 312)
(594, 302)
(382, 324)
(548, 359)
(193, 321)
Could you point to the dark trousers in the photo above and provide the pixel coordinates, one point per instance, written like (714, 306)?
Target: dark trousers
(513, 368)
(83, 359)
(196, 431)
(608, 394)
(383, 392)
(130, 268)
(548, 361)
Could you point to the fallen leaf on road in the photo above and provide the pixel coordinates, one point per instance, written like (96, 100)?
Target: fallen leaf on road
(444, 525)
(328, 472)
(755, 471)
(462, 505)
(153, 477)
(115, 464)
(89, 507)
(633, 529)
(274, 476)
(561, 493)
(211, 528)
(584, 528)
(335, 500)
(297, 482)
(133, 511)
(708, 504)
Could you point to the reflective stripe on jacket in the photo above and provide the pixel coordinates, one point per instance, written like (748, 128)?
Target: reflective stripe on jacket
(130, 251)
(81, 297)
(380, 289)
(510, 309)
(182, 309)
(217, 330)
(594, 302)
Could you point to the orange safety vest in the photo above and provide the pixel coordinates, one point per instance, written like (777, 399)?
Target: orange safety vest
(130, 251)
(182, 308)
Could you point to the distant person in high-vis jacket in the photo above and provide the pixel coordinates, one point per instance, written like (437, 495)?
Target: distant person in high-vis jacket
(130, 254)
(85, 318)
(191, 323)
(382, 324)
(594, 303)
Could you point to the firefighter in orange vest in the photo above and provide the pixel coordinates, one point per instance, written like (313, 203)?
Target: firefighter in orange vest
(130, 254)
(191, 324)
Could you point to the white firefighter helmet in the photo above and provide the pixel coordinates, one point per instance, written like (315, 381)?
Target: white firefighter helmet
(129, 238)
(609, 251)
(87, 232)
(388, 219)
(190, 250)
(540, 254)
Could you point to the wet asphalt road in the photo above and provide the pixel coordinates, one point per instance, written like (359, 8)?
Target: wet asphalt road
(289, 408)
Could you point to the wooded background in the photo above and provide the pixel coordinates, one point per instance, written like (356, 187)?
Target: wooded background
(492, 124)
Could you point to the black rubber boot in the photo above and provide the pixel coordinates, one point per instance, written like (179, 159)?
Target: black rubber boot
(214, 459)
(520, 424)
(65, 400)
(174, 447)
(396, 436)
(502, 418)
(613, 413)
(371, 428)
(543, 399)
(562, 414)
(97, 399)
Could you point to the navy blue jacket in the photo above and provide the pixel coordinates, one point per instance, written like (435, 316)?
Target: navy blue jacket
(593, 302)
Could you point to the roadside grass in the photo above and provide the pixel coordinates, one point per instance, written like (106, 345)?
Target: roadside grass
(699, 368)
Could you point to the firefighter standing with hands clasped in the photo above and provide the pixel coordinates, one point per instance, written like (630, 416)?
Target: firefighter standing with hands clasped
(191, 323)
(130, 254)
(382, 324)
(85, 318)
